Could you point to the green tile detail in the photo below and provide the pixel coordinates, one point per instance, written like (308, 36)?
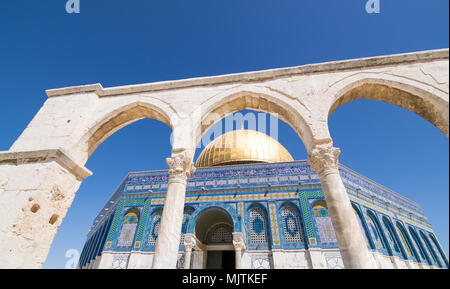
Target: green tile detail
(141, 228)
(303, 196)
(116, 220)
(122, 203)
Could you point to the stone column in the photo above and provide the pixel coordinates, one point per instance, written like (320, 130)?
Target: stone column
(168, 242)
(239, 246)
(189, 243)
(323, 159)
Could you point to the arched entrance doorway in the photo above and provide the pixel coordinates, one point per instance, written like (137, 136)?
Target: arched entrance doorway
(214, 228)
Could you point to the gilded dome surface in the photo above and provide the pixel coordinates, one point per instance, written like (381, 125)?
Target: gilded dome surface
(243, 146)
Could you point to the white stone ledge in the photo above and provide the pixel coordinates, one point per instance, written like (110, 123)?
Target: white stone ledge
(422, 56)
(41, 156)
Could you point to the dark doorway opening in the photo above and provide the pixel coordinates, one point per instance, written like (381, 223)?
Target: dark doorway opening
(220, 260)
(228, 260)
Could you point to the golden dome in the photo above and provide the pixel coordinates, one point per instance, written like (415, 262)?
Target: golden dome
(242, 146)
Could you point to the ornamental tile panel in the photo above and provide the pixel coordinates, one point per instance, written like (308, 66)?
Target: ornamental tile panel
(240, 187)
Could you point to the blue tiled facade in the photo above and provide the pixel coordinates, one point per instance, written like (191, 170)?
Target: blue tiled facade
(283, 201)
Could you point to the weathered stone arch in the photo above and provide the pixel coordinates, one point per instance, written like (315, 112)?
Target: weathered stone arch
(110, 121)
(424, 99)
(45, 165)
(264, 100)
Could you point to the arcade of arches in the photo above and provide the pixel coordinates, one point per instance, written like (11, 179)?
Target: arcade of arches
(41, 172)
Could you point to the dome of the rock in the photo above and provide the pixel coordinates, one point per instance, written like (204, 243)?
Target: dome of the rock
(243, 146)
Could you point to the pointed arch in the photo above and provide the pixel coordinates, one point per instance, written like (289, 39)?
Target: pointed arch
(377, 233)
(422, 250)
(292, 228)
(187, 212)
(433, 253)
(258, 230)
(363, 226)
(128, 229)
(227, 209)
(407, 243)
(153, 228)
(394, 242)
(322, 221)
(210, 218)
(441, 252)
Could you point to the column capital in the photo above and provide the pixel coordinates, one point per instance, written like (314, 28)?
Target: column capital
(180, 166)
(238, 241)
(324, 159)
(189, 242)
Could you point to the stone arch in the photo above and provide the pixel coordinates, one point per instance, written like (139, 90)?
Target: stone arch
(225, 208)
(425, 100)
(264, 100)
(425, 96)
(221, 216)
(107, 123)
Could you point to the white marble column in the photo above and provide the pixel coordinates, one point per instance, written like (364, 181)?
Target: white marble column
(189, 244)
(323, 159)
(239, 246)
(167, 244)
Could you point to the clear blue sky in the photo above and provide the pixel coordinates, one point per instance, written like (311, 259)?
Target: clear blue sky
(133, 41)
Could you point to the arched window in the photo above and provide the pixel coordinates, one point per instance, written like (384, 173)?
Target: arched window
(154, 227)
(258, 226)
(375, 229)
(324, 227)
(423, 252)
(220, 234)
(432, 250)
(362, 226)
(409, 248)
(392, 238)
(128, 229)
(292, 225)
(436, 244)
(186, 217)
